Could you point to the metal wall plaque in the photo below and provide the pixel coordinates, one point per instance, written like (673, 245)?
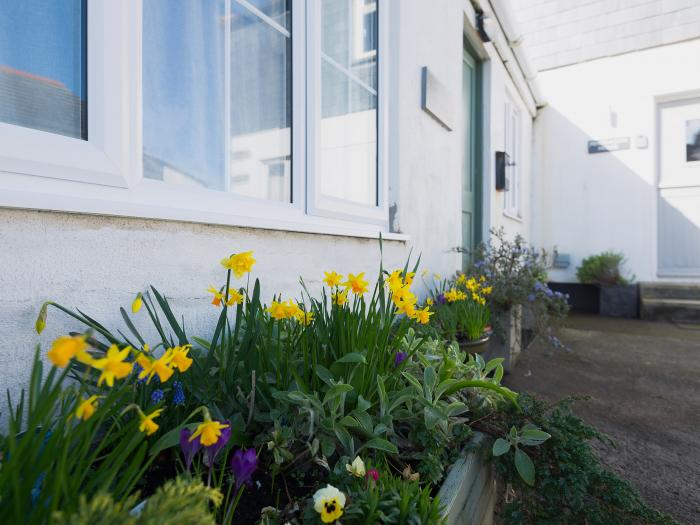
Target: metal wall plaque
(606, 145)
(436, 99)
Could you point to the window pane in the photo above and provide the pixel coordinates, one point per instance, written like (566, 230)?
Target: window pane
(43, 80)
(183, 92)
(277, 10)
(349, 100)
(261, 106)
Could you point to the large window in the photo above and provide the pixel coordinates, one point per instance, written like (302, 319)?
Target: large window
(43, 77)
(265, 113)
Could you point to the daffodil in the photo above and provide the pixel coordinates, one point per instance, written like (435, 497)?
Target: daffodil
(408, 280)
(429, 301)
(356, 468)
(461, 279)
(455, 295)
(394, 281)
(86, 408)
(41, 318)
(66, 347)
(148, 426)
(113, 365)
(137, 304)
(239, 263)
(177, 357)
(357, 283)
(208, 432)
(332, 279)
(218, 296)
(305, 318)
(329, 502)
(423, 315)
(486, 290)
(340, 298)
(151, 367)
(278, 310)
(292, 310)
(234, 297)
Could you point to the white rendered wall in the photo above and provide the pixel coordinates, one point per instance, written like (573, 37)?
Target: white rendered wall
(587, 203)
(98, 263)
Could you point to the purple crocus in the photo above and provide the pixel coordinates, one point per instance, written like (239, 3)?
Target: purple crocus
(243, 464)
(441, 299)
(399, 358)
(189, 448)
(213, 450)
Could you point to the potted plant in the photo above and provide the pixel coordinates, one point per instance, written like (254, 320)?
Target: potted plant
(618, 297)
(462, 312)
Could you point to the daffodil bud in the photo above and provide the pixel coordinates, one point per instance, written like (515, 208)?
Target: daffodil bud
(41, 319)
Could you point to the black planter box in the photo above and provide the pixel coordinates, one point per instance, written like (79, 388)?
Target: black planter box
(583, 298)
(620, 301)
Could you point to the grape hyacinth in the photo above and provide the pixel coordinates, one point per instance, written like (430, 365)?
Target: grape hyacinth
(178, 393)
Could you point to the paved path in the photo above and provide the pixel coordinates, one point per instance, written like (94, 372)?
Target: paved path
(644, 383)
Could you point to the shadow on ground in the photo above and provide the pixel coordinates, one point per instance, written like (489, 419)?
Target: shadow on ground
(643, 380)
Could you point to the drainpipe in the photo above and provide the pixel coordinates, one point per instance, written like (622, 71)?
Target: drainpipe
(508, 41)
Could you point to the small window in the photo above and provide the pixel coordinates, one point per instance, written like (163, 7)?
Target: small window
(43, 73)
(512, 148)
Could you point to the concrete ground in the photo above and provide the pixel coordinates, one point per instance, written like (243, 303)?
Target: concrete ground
(643, 380)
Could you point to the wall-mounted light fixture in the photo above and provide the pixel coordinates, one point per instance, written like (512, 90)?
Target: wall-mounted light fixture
(502, 160)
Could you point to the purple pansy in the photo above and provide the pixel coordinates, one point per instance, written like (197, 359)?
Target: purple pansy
(189, 448)
(243, 464)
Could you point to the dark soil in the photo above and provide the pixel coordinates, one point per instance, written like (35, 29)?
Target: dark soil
(643, 380)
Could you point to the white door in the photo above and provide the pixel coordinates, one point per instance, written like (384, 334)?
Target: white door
(679, 189)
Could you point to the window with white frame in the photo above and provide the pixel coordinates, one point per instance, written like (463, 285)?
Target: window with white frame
(512, 149)
(245, 112)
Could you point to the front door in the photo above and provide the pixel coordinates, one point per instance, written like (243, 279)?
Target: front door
(471, 223)
(679, 189)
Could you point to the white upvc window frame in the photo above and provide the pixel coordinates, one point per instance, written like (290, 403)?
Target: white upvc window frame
(104, 175)
(513, 148)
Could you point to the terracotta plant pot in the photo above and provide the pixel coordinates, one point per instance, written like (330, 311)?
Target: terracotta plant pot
(474, 347)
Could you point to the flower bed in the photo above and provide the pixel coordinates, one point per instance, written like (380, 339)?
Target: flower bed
(348, 405)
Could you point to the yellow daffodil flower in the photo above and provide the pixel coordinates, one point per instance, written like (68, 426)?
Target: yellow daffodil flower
(329, 502)
(66, 347)
(357, 284)
(146, 348)
(429, 301)
(425, 273)
(137, 304)
(87, 408)
(278, 310)
(455, 295)
(162, 367)
(177, 357)
(486, 290)
(292, 310)
(305, 318)
(113, 365)
(210, 431)
(423, 316)
(408, 280)
(340, 298)
(461, 279)
(332, 279)
(148, 426)
(394, 281)
(356, 468)
(218, 296)
(239, 263)
(437, 276)
(234, 297)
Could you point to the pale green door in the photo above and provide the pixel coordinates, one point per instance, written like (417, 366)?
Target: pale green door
(471, 222)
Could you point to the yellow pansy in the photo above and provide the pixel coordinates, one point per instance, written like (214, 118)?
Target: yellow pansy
(422, 316)
(66, 347)
(148, 426)
(177, 357)
(162, 367)
(239, 263)
(340, 298)
(137, 304)
(210, 431)
(332, 279)
(357, 283)
(86, 408)
(218, 296)
(113, 365)
(234, 297)
(329, 502)
(356, 468)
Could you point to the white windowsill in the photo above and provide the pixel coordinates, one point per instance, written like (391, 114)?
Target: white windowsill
(512, 216)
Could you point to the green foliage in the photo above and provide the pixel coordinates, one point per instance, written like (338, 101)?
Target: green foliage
(461, 308)
(178, 502)
(529, 435)
(50, 457)
(571, 486)
(604, 268)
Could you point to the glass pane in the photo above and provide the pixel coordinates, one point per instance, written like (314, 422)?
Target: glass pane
(43, 78)
(278, 10)
(349, 100)
(261, 107)
(692, 140)
(184, 92)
